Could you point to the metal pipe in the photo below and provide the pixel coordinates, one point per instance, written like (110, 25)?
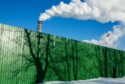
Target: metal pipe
(39, 26)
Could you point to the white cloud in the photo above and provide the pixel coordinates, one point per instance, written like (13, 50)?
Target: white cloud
(111, 38)
(100, 10)
(76, 1)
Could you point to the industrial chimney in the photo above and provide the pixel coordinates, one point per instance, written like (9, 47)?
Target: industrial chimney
(39, 26)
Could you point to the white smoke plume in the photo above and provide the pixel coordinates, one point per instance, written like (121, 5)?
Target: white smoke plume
(100, 10)
(111, 38)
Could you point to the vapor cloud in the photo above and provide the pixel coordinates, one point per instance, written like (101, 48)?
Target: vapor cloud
(100, 10)
(111, 38)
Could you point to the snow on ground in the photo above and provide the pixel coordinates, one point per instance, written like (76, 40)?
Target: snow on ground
(92, 81)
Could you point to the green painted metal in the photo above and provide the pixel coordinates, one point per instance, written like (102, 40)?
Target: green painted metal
(28, 57)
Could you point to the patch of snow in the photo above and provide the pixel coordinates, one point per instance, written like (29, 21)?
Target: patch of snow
(91, 81)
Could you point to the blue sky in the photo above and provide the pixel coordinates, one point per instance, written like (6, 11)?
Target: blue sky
(25, 13)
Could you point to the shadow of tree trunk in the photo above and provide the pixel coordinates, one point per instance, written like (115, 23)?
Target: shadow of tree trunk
(105, 63)
(40, 70)
(98, 56)
(67, 56)
(114, 72)
(75, 59)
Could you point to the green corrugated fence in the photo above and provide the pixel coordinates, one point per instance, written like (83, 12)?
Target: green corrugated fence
(28, 57)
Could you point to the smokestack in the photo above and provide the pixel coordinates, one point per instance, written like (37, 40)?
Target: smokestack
(39, 26)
